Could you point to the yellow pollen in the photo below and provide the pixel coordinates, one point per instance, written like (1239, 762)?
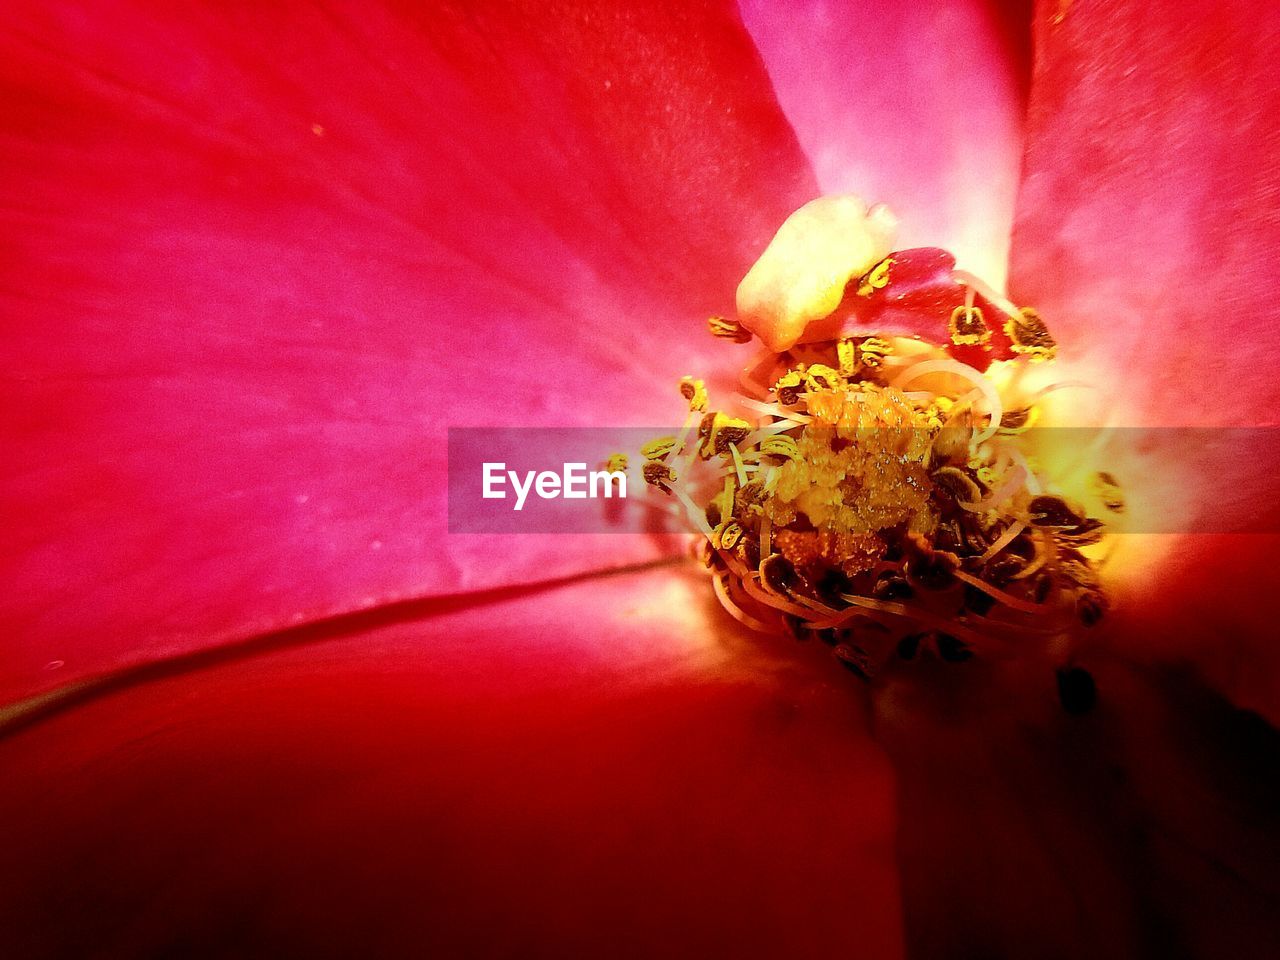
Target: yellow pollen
(860, 465)
(821, 377)
(789, 387)
(873, 350)
(968, 326)
(886, 490)
(1030, 336)
(726, 329)
(727, 535)
(718, 431)
(658, 449)
(876, 279)
(848, 354)
(779, 446)
(695, 391)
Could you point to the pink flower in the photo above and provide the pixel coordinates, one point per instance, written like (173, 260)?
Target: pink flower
(254, 262)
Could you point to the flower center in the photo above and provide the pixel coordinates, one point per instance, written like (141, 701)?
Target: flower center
(884, 493)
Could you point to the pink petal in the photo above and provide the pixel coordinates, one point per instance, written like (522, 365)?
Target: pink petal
(919, 105)
(255, 261)
(1147, 232)
(585, 772)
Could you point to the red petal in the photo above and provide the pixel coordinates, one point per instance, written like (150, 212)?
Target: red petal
(1146, 827)
(1147, 233)
(574, 773)
(919, 105)
(918, 299)
(255, 261)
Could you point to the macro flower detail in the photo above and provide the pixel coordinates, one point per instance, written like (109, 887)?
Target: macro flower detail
(259, 262)
(887, 489)
(803, 273)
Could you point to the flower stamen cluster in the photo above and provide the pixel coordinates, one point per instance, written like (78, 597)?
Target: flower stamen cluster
(878, 495)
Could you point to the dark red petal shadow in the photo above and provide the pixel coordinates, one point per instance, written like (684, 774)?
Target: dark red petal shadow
(919, 105)
(511, 779)
(1148, 233)
(255, 259)
(1147, 827)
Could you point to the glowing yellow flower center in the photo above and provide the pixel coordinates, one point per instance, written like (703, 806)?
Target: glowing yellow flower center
(880, 493)
(859, 465)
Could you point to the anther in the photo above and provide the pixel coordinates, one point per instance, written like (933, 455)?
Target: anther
(877, 278)
(658, 449)
(968, 326)
(727, 329)
(1030, 336)
(695, 391)
(658, 474)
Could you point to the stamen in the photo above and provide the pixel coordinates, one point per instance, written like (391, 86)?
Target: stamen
(1107, 489)
(873, 350)
(1004, 540)
(1030, 336)
(738, 465)
(658, 474)
(851, 498)
(718, 431)
(735, 611)
(727, 329)
(847, 351)
(695, 391)
(658, 449)
(968, 326)
(877, 278)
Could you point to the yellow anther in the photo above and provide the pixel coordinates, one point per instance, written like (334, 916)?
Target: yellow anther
(821, 377)
(877, 278)
(873, 350)
(695, 391)
(718, 431)
(802, 274)
(659, 448)
(727, 329)
(779, 446)
(789, 387)
(616, 463)
(848, 354)
(726, 535)
(968, 326)
(1030, 336)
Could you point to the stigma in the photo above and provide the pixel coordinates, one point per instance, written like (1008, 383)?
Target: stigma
(876, 483)
(802, 275)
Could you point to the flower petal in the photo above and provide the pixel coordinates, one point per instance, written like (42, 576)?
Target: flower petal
(256, 260)
(918, 105)
(568, 773)
(1148, 229)
(1145, 827)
